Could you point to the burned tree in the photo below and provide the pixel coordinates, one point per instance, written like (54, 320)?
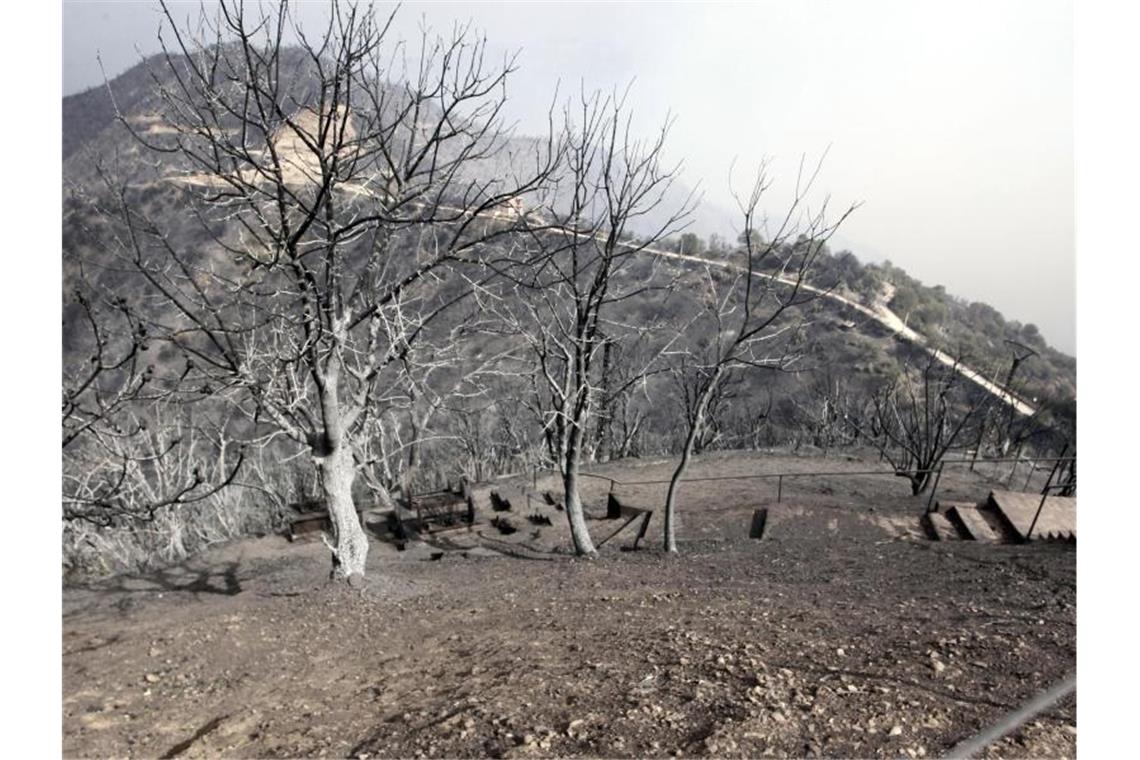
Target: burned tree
(623, 397)
(118, 450)
(439, 378)
(827, 411)
(751, 311)
(695, 402)
(575, 272)
(922, 415)
(344, 194)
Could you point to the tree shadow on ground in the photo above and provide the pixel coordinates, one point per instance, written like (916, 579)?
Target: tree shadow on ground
(187, 578)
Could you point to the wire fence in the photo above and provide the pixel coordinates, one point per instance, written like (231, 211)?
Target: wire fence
(779, 477)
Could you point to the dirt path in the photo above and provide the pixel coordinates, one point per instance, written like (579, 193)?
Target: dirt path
(839, 634)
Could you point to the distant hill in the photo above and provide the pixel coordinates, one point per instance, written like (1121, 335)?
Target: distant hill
(839, 342)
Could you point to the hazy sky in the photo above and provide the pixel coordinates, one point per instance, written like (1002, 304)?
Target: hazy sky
(951, 122)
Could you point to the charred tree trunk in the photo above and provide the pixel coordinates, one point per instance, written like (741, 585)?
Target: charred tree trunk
(603, 446)
(919, 482)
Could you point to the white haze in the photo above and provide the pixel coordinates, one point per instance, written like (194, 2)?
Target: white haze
(951, 122)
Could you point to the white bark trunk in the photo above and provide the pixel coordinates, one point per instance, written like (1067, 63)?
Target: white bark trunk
(334, 456)
(350, 545)
(670, 536)
(671, 499)
(579, 533)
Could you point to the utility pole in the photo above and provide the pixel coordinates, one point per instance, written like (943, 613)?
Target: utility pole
(1020, 353)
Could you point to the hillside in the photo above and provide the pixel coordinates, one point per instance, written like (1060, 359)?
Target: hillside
(843, 633)
(387, 432)
(854, 338)
(972, 331)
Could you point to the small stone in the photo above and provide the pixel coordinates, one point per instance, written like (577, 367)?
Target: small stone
(895, 730)
(841, 652)
(151, 678)
(937, 665)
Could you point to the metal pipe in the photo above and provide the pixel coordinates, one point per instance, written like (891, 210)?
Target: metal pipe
(937, 478)
(1010, 721)
(1053, 472)
(1044, 496)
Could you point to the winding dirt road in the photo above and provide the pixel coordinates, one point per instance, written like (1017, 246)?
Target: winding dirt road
(881, 314)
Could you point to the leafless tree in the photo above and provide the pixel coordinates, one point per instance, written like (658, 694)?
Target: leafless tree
(922, 415)
(689, 390)
(115, 447)
(563, 303)
(348, 191)
(748, 422)
(454, 369)
(624, 396)
(827, 410)
(752, 310)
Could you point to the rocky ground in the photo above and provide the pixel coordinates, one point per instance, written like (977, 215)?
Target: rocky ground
(843, 633)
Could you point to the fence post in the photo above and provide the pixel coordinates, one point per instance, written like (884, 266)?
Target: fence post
(1032, 469)
(779, 488)
(934, 488)
(1016, 462)
(1056, 465)
(1041, 506)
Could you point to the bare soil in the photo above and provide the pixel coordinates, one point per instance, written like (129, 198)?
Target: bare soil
(842, 633)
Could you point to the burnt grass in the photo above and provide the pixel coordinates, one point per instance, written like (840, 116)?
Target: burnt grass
(842, 633)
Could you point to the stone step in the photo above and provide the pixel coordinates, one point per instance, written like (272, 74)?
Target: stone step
(946, 506)
(972, 523)
(939, 528)
(1057, 519)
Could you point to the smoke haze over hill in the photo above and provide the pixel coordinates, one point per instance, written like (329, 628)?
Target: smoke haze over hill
(952, 125)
